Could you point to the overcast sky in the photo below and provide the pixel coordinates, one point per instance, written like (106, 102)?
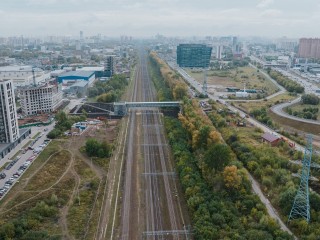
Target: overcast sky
(140, 18)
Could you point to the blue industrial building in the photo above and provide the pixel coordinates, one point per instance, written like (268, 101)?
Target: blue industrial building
(193, 55)
(76, 75)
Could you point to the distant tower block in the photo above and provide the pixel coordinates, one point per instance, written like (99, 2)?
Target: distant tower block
(81, 35)
(219, 51)
(301, 205)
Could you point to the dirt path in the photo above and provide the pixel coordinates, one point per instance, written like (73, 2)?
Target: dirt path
(45, 190)
(64, 211)
(271, 211)
(25, 181)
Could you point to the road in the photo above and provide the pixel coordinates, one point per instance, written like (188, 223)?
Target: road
(151, 207)
(281, 89)
(278, 109)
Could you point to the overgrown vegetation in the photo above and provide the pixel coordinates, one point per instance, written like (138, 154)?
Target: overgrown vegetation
(310, 99)
(216, 187)
(172, 81)
(109, 91)
(64, 123)
(288, 84)
(307, 112)
(94, 148)
(271, 167)
(36, 218)
(262, 116)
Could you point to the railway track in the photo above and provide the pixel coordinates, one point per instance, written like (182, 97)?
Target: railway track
(150, 207)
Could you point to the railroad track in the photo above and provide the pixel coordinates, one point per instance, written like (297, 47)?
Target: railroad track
(150, 203)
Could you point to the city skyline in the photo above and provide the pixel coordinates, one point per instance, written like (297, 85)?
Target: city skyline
(144, 18)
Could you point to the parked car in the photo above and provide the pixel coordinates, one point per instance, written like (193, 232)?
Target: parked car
(2, 175)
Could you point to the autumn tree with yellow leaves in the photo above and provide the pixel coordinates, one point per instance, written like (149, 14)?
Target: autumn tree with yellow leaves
(232, 179)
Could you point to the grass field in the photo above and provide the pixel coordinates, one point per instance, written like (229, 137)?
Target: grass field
(60, 195)
(249, 106)
(236, 78)
(299, 108)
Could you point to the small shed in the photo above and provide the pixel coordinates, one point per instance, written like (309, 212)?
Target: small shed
(271, 139)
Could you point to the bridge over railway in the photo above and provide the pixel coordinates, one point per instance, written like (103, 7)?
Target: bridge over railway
(122, 108)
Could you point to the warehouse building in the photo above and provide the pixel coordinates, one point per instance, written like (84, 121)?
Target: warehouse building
(98, 71)
(71, 77)
(23, 75)
(79, 88)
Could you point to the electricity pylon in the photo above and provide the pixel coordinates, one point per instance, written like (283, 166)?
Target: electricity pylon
(205, 85)
(301, 204)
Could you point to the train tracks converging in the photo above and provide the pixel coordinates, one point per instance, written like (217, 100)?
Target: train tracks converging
(150, 205)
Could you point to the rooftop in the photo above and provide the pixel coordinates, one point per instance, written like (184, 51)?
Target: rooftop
(270, 137)
(77, 74)
(93, 69)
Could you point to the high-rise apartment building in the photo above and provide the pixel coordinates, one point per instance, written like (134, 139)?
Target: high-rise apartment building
(109, 65)
(219, 51)
(9, 131)
(193, 55)
(309, 48)
(40, 99)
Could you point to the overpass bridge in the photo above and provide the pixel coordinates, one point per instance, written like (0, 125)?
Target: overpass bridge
(118, 109)
(121, 108)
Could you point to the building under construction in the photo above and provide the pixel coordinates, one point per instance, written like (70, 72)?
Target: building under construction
(39, 99)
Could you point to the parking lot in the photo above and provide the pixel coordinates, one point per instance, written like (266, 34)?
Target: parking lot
(16, 167)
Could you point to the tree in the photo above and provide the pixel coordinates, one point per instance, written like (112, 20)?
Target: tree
(232, 179)
(179, 91)
(54, 133)
(92, 147)
(310, 99)
(61, 116)
(97, 149)
(217, 156)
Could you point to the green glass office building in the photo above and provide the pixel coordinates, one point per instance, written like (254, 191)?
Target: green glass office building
(193, 55)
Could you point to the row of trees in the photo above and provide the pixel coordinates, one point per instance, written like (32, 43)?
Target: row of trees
(307, 113)
(271, 167)
(173, 82)
(109, 91)
(287, 83)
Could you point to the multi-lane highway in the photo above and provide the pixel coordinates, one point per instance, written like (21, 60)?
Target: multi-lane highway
(151, 208)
